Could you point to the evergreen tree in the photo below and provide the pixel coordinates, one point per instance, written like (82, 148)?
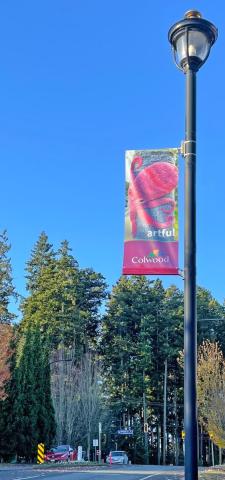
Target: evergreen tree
(6, 333)
(82, 293)
(91, 292)
(42, 256)
(45, 424)
(208, 308)
(7, 290)
(64, 299)
(174, 313)
(27, 411)
(142, 329)
(142, 337)
(7, 417)
(63, 303)
(37, 308)
(25, 406)
(126, 344)
(138, 441)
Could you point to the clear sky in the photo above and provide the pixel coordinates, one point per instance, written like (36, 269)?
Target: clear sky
(81, 82)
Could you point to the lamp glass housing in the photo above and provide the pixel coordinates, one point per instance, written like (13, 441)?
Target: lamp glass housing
(192, 43)
(191, 40)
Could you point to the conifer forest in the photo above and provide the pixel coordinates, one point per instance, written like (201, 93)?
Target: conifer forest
(81, 353)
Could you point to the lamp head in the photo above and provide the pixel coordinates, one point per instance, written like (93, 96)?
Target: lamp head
(191, 40)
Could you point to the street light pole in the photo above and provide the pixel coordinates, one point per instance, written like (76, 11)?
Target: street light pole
(191, 39)
(190, 324)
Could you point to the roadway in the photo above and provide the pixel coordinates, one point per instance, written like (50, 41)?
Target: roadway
(131, 472)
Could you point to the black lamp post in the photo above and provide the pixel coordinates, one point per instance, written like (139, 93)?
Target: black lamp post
(191, 39)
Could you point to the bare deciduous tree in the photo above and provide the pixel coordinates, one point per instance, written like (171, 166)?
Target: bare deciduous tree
(76, 397)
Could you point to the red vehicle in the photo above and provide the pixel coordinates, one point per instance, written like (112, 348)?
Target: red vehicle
(62, 453)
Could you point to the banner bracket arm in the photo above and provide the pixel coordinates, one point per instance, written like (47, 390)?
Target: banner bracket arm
(182, 148)
(183, 151)
(181, 273)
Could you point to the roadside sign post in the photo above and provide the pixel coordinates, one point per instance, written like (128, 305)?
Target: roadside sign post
(95, 444)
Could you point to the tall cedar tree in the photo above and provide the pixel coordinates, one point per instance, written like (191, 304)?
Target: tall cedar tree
(7, 419)
(64, 300)
(6, 333)
(27, 412)
(7, 290)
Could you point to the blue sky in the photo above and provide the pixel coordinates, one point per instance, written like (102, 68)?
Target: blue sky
(81, 82)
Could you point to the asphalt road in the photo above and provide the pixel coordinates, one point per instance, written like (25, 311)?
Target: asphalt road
(131, 472)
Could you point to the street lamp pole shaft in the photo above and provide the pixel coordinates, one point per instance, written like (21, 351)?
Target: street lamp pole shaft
(190, 324)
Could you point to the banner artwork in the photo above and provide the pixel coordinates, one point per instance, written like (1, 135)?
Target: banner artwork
(151, 215)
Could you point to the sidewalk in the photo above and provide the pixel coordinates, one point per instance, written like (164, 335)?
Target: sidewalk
(213, 473)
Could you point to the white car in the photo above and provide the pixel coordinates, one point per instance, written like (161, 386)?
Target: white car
(117, 456)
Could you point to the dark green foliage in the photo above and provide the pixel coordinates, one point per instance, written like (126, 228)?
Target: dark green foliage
(91, 291)
(45, 423)
(42, 256)
(61, 311)
(64, 299)
(7, 290)
(126, 341)
(137, 450)
(208, 310)
(7, 419)
(140, 332)
(142, 329)
(27, 412)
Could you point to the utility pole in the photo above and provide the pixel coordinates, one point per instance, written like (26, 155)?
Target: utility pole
(212, 450)
(145, 430)
(164, 414)
(159, 442)
(176, 429)
(99, 442)
(220, 456)
(165, 402)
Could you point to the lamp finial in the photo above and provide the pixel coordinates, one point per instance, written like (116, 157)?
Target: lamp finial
(193, 14)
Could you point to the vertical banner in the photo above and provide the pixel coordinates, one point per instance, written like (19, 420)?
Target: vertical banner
(151, 215)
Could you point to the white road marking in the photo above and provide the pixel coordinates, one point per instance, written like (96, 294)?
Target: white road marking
(150, 476)
(26, 478)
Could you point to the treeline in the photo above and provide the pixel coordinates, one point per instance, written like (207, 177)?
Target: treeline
(60, 318)
(66, 366)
